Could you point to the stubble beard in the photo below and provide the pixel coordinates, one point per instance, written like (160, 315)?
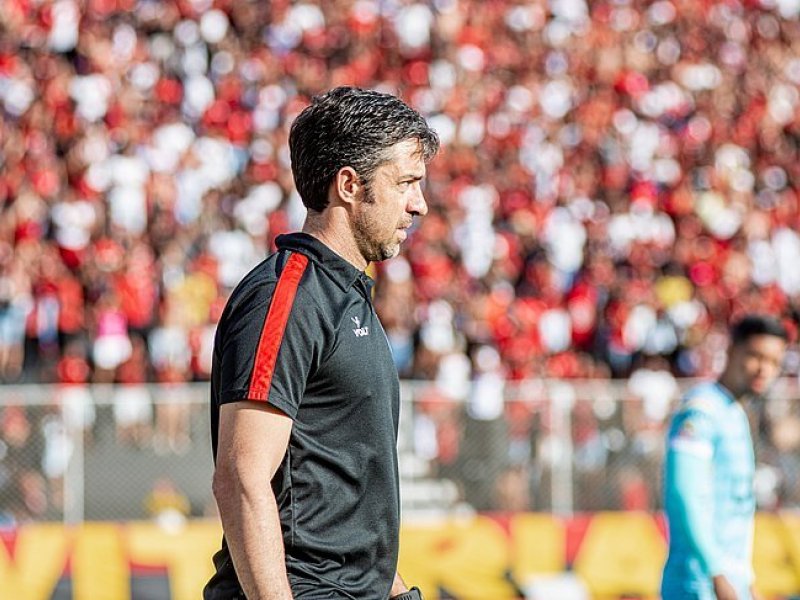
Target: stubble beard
(371, 249)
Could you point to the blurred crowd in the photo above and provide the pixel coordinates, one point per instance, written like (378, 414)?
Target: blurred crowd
(619, 179)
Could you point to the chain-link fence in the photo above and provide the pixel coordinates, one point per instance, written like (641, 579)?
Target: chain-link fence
(572, 446)
(115, 453)
(103, 452)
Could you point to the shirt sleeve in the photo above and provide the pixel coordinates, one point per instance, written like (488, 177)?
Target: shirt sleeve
(689, 480)
(270, 348)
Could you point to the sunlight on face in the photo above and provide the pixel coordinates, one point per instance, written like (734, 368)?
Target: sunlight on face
(757, 363)
(390, 202)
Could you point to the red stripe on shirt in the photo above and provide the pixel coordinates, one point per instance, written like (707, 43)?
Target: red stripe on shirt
(275, 326)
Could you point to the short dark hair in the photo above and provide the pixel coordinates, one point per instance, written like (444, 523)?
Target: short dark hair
(753, 325)
(353, 127)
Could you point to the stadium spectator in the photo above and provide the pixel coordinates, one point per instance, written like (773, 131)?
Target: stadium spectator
(74, 395)
(15, 303)
(133, 407)
(167, 505)
(23, 493)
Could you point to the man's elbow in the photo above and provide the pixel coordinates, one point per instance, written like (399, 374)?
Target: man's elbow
(224, 486)
(234, 487)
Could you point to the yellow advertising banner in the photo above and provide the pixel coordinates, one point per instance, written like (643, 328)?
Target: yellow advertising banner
(475, 558)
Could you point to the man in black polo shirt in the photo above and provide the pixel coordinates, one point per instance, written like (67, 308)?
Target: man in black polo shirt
(305, 396)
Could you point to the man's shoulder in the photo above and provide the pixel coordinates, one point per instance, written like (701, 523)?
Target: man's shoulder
(700, 407)
(291, 278)
(260, 281)
(695, 423)
(704, 398)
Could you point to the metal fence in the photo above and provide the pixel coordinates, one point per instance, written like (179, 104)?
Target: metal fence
(116, 453)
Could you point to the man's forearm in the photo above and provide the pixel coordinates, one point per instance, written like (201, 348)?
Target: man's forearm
(253, 533)
(398, 586)
(400, 590)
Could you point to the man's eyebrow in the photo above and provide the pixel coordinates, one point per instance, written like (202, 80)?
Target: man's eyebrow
(414, 176)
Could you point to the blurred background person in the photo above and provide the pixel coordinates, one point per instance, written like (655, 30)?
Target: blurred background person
(710, 470)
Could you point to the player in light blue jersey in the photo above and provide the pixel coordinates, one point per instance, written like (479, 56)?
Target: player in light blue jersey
(709, 471)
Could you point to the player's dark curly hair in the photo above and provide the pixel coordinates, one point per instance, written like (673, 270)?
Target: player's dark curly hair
(350, 127)
(753, 325)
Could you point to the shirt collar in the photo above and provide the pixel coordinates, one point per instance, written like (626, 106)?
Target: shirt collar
(725, 392)
(340, 270)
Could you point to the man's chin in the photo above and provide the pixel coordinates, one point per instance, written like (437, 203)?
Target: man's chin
(384, 253)
(390, 251)
(759, 390)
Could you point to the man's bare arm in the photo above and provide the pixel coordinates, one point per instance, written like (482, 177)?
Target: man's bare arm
(252, 443)
(398, 586)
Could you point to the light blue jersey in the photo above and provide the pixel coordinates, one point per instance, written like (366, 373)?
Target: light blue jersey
(709, 499)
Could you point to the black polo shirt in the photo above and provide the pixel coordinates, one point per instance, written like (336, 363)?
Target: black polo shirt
(300, 333)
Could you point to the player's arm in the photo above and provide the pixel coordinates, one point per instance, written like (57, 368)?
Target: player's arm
(398, 586)
(690, 481)
(267, 351)
(252, 443)
(723, 589)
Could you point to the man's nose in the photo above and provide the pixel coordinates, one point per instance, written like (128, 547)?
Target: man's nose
(767, 368)
(417, 205)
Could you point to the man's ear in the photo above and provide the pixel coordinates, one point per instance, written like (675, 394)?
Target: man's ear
(347, 185)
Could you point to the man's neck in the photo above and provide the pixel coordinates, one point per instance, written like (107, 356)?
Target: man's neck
(333, 229)
(725, 382)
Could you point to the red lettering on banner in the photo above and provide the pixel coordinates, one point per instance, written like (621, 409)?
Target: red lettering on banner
(8, 537)
(576, 531)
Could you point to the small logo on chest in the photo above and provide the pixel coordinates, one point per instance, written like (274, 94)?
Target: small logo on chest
(359, 331)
